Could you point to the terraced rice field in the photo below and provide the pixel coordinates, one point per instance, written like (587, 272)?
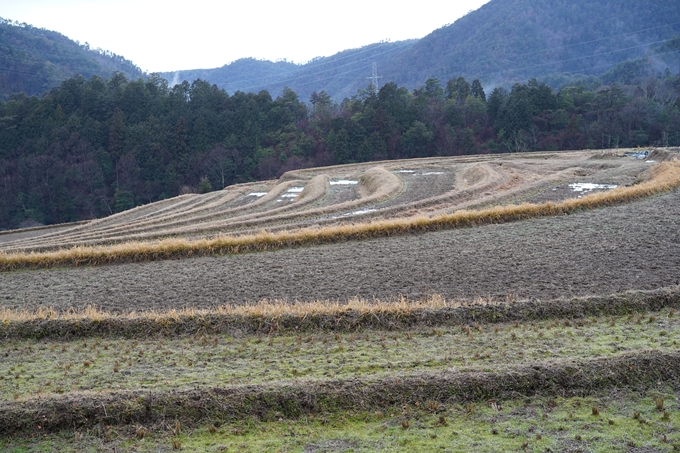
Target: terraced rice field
(344, 194)
(555, 333)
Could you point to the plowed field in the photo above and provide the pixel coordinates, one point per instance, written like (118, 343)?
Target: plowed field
(633, 246)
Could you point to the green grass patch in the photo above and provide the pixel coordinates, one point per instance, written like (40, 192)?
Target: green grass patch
(40, 368)
(624, 421)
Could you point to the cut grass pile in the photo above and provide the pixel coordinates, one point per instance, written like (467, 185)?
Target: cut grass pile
(664, 177)
(626, 422)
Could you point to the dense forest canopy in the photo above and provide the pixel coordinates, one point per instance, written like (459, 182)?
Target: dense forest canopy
(95, 146)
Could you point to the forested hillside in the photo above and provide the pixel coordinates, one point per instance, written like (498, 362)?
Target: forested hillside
(508, 40)
(93, 146)
(240, 75)
(503, 42)
(34, 60)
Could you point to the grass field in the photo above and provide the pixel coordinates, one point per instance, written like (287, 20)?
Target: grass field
(411, 326)
(530, 424)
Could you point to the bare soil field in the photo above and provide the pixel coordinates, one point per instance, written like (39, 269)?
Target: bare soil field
(632, 246)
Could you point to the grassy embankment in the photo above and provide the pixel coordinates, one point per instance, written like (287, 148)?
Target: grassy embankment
(424, 387)
(664, 177)
(624, 421)
(270, 317)
(47, 367)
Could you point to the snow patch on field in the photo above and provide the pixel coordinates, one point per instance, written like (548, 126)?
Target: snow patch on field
(256, 194)
(362, 211)
(293, 192)
(359, 212)
(639, 154)
(416, 172)
(344, 182)
(588, 186)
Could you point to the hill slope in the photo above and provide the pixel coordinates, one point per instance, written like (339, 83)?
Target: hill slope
(518, 39)
(34, 60)
(501, 42)
(238, 75)
(331, 196)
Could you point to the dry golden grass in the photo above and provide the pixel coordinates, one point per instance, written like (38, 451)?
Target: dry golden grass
(356, 314)
(262, 309)
(315, 189)
(663, 178)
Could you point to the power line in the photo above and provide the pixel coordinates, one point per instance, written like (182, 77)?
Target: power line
(574, 59)
(336, 76)
(609, 65)
(331, 69)
(329, 60)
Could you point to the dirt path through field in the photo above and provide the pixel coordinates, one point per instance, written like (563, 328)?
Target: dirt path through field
(633, 246)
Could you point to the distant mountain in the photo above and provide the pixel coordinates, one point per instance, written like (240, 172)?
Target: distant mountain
(658, 59)
(34, 60)
(245, 74)
(502, 42)
(340, 75)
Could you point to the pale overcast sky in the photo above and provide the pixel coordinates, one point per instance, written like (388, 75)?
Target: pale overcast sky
(165, 36)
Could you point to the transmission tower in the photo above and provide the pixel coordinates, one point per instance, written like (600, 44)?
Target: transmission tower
(374, 78)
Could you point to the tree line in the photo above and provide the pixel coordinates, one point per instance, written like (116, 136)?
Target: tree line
(92, 147)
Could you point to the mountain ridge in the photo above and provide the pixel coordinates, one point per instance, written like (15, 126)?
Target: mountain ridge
(303, 78)
(500, 43)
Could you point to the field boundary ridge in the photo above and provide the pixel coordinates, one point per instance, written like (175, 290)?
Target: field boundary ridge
(642, 369)
(271, 317)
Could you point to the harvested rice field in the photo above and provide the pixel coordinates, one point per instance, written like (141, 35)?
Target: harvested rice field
(556, 329)
(349, 193)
